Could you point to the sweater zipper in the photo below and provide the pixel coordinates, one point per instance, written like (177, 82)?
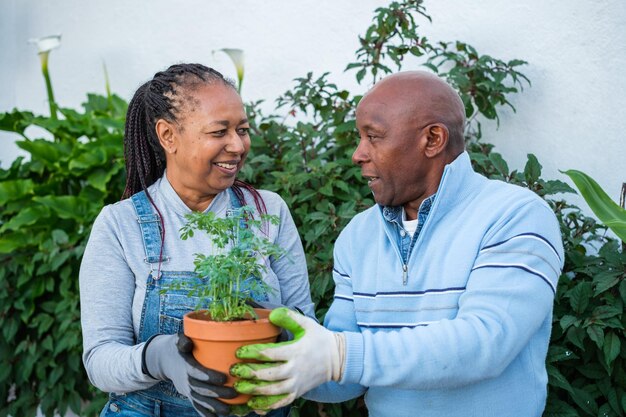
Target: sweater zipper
(404, 274)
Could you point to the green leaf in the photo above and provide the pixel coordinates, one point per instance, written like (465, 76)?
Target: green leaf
(567, 321)
(96, 156)
(499, 163)
(557, 379)
(585, 401)
(10, 242)
(45, 150)
(560, 353)
(592, 371)
(579, 296)
(14, 190)
(532, 170)
(596, 334)
(556, 186)
(16, 121)
(26, 217)
(611, 348)
(66, 206)
(608, 211)
(605, 280)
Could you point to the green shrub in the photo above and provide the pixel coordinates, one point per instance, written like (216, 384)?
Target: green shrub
(48, 206)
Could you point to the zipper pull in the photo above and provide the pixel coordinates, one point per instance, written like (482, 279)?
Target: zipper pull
(404, 274)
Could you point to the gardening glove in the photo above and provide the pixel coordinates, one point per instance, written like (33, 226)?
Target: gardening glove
(285, 334)
(292, 368)
(168, 357)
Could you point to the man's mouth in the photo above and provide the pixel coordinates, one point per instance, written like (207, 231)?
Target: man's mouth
(369, 179)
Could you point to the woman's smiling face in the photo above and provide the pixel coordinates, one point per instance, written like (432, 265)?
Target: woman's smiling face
(208, 143)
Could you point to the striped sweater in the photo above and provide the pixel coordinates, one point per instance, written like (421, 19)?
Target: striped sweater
(462, 327)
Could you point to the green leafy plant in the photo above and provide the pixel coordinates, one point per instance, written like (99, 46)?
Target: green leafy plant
(608, 212)
(49, 202)
(234, 272)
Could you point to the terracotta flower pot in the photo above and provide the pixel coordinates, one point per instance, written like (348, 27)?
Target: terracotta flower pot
(215, 342)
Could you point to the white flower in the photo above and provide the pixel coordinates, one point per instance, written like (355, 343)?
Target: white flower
(44, 46)
(47, 43)
(236, 55)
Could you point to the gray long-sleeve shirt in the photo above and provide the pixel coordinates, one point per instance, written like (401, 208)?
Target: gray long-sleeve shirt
(113, 277)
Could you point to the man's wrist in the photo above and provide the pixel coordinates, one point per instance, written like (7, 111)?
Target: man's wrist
(340, 343)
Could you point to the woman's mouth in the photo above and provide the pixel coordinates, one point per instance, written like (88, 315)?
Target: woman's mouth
(229, 167)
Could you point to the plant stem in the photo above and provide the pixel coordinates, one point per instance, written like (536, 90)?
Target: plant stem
(46, 75)
(622, 202)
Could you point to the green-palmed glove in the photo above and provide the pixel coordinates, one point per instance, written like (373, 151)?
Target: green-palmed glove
(289, 369)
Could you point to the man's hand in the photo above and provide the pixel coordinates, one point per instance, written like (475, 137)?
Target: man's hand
(168, 357)
(289, 369)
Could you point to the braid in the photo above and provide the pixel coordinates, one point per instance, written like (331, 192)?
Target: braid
(238, 188)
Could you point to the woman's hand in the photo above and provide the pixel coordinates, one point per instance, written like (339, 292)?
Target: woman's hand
(168, 357)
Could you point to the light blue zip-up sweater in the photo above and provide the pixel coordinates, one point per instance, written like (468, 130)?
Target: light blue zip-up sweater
(465, 331)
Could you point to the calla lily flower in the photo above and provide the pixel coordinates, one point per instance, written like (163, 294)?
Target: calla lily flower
(236, 55)
(44, 46)
(47, 43)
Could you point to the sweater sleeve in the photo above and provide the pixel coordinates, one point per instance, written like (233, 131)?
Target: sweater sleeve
(291, 270)
(107, 286)
(508, 299)
(341, 318)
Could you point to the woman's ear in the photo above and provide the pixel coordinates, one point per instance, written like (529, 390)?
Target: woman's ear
(437, 139)
(166, 133)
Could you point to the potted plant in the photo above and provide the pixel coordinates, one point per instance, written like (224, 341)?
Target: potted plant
(229, 279)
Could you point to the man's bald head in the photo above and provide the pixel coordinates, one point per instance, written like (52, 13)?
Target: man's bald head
(410, 127)
(425, 98)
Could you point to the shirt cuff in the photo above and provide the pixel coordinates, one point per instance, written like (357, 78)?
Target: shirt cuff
(353, 366)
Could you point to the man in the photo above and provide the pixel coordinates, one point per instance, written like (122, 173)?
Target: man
(444, 289)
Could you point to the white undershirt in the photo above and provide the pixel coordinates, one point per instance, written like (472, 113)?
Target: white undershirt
(409, 225)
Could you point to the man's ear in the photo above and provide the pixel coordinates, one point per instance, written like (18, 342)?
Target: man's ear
(166, 133)
(437, 137)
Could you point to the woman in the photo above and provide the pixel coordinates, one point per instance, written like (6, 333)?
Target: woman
(186, 138)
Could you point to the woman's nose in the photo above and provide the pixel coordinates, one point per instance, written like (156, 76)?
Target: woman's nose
(235, 144)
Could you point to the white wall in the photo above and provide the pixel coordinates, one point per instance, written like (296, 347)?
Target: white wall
(572, 117)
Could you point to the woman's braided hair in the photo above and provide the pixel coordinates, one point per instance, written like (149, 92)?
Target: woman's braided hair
(163, 98)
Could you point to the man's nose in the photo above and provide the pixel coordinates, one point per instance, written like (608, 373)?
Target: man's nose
(360, 154)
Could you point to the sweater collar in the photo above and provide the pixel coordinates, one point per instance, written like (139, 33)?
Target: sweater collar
(455, 185)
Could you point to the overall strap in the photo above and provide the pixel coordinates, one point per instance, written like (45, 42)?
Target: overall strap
(150, 225)
(235, 204)
(234, 200)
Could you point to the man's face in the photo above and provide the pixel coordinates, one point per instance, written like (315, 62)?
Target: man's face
(391, 147)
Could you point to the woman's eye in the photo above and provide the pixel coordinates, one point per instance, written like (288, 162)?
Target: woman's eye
(219, 133)
(243, 131)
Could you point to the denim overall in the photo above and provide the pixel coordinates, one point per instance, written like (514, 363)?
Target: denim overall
(162, 313)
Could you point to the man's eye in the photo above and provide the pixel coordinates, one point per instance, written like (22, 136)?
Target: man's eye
(371, 137)
(243, 131)
(219, 133)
